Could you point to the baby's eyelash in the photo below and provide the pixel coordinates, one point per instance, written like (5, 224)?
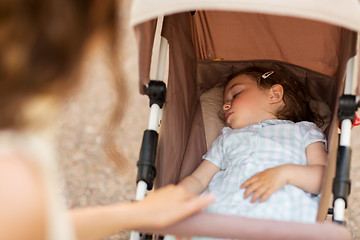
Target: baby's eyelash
(236, 94)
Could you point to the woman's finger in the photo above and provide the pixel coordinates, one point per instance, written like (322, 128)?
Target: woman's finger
(198, 203)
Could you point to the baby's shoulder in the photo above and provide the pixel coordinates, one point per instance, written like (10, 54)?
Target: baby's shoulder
(310, 130)
(305, 125)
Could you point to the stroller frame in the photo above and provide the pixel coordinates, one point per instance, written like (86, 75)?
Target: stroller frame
(348, 105)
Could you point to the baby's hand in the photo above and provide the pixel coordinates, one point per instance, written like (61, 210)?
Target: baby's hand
(265, 183)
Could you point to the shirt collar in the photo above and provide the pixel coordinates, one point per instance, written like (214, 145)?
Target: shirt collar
(268, 122)
(274, 122)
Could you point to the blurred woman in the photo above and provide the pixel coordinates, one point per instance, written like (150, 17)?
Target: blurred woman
(41, 44)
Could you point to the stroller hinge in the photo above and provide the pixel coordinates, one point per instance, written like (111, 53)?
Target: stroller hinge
(348, 105)
(156, 90)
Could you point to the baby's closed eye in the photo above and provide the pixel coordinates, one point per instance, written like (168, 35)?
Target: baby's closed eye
(236, 94)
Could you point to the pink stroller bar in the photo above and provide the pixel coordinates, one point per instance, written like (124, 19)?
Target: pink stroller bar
(235, 227)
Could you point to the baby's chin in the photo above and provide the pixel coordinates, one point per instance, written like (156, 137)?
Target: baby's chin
(239, 125)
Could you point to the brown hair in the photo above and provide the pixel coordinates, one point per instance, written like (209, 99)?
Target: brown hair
(297, 101)
(41, 45)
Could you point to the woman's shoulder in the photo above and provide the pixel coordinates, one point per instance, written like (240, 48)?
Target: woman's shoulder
(29, 145)
(34, 151)
(28, 160)
(20, 180)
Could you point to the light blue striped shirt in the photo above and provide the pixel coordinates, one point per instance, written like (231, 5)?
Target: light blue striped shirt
(241, 153)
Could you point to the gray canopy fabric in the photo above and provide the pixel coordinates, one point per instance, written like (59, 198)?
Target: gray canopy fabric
(208, 46)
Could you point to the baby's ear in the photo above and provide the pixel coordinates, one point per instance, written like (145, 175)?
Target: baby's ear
(276, 93)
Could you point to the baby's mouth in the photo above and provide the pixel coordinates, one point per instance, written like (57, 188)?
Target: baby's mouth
(227, 115)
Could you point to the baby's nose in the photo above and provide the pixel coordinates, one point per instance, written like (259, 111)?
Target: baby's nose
(226, 106)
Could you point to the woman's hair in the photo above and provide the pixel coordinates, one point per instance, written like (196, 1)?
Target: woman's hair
(41, 41)
(41, 45)
(297, 101)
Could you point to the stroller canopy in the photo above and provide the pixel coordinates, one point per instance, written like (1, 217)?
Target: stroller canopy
(344, 13)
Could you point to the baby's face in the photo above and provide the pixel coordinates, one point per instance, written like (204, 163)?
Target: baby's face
(244, 102)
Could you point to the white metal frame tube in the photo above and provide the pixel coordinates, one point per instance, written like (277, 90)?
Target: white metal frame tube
(339, 210)
(155, 119)
(163, 52)
(345, 136)
(141, 190)
(134, 235)
(352, 71)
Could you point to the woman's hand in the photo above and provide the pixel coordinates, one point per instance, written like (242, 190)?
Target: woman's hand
(265, 183)
(170, 204)
(159, 209)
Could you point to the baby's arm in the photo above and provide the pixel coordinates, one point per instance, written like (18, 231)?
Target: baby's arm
(199, 180)
(309, 177)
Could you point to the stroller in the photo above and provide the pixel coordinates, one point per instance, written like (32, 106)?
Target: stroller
(205, 42)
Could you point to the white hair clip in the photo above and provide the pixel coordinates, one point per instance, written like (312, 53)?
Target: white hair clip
(267, 74)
